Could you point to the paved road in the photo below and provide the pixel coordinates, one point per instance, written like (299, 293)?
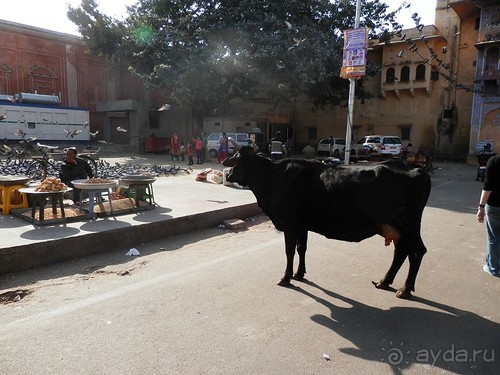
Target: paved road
(207, 303)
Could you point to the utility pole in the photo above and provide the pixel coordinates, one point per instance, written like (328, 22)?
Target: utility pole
(352, 90)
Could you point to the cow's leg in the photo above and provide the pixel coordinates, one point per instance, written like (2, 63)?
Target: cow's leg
(415, 259)
(290, 241)
(401, 251)
(400, 254)
(301, 250)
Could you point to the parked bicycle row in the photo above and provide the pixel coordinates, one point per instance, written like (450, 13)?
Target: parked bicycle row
(46, 165)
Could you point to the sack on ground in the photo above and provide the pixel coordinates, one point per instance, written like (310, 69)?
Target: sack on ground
(215, 177)
(202, 176)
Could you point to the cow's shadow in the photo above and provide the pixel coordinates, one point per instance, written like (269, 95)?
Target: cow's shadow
(438, 335)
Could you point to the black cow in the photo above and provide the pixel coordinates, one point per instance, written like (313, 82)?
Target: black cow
(348, 203)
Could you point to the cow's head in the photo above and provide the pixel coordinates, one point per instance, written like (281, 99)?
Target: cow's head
(239, 163)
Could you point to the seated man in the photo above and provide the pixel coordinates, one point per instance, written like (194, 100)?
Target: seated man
(74, 169)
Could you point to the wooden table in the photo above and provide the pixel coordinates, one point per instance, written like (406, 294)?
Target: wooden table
(40, 197)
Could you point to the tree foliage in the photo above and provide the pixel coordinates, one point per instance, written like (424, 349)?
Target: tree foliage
(211, 51)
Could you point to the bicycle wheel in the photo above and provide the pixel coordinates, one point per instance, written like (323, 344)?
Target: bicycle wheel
(91, 161)
(37, 170)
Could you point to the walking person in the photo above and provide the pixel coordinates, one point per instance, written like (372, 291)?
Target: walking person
(330, 144)
(223, 148)
(489, 211)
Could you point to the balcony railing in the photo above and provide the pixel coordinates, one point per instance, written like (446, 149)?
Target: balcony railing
(411, 86)
(491, 73)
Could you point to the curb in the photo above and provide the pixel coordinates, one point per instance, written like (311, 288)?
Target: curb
(21, 258)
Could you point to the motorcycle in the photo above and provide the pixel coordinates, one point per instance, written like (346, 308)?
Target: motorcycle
(420, 159)
(482, 159)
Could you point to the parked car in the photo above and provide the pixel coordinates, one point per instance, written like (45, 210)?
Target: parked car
(377, 144)
(338, 147)
(213, 142)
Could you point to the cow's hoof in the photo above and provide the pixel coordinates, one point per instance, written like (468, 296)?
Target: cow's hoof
(284, 282)
(381, 285)
(298, 277)
(403, 293)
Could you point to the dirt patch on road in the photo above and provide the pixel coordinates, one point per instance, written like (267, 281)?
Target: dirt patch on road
(13, 296)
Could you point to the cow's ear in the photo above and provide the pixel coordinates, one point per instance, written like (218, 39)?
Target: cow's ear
(230, 162)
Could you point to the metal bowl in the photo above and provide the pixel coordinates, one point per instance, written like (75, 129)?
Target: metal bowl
(14, 180)
(144, 178)
(85, 185)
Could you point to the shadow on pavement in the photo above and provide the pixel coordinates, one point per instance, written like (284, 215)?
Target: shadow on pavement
(429, 333)
(49, 233)
(95, 225)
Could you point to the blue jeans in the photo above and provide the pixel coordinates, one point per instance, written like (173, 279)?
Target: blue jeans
(493, 244)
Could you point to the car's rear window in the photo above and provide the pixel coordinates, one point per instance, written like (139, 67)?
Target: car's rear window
(241, 137)
(340, 141)
(361, 141)
(392, 141)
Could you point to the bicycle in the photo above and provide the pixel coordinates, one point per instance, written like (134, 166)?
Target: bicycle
(20, 151)
(17, 157)
(45, 165)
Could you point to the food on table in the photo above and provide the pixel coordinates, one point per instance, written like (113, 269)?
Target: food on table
(51, 184)
(97, 181)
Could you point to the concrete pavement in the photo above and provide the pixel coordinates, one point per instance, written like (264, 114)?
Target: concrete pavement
(182, 205)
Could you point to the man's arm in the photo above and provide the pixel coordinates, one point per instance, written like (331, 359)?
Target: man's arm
(89, 170)
(64, 174)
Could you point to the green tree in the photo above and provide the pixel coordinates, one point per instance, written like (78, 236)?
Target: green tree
(209, 52)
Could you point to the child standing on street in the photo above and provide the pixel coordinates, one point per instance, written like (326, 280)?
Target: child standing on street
(199, 150)
(190, 152)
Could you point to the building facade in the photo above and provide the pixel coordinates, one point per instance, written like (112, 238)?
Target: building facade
(44, 62)
(428, 91)
(484, 18)
(437, 87)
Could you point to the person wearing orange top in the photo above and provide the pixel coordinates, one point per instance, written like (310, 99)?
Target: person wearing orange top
(198, 145)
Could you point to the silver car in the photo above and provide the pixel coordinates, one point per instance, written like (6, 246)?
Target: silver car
(377, 144)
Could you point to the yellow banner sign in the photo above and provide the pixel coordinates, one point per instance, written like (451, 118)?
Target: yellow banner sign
(354, 60)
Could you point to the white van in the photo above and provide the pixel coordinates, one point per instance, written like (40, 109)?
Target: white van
(213, 142)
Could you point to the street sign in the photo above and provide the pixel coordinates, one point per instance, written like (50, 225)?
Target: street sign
(354, 60)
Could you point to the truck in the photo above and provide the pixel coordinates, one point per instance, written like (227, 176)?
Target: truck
(40, 117)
